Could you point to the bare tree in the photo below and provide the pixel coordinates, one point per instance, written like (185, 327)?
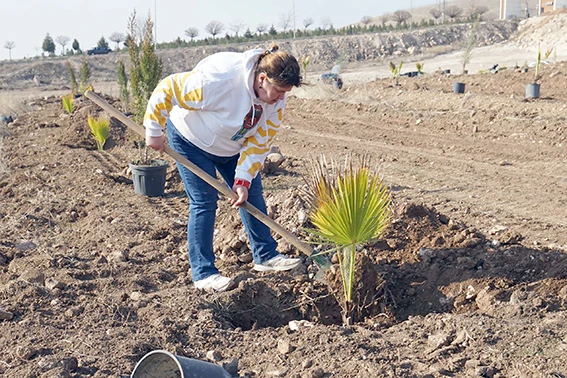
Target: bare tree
(9, 45)
(62, 40)
(192, 33)
(285, 20)
(436, 14)
(453, 12)
(401, 17)
(476, 12)
(237, 26)
(366, 20)
(307, 23)
(384, 18)
(214, 28)
(326, 23)
(261, 28)
(117, 37)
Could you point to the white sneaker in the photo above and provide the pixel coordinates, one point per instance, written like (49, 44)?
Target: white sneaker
(279, 262)
(215, 282)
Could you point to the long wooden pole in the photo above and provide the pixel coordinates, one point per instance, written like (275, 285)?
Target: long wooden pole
(291, 238)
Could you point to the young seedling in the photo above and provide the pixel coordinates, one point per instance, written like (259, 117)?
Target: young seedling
(419, 67)
(539, 60)
(68, 103)
(349, 207)
(396, 71)
(471, 43)
(304, 63)
(99, 130)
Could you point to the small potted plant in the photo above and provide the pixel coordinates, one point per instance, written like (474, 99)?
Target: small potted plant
(458, 86)
(148, 174)
(532, 89)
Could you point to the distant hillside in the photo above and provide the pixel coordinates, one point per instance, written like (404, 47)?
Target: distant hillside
(324, 51)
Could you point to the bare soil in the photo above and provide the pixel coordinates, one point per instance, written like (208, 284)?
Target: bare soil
(470, 279)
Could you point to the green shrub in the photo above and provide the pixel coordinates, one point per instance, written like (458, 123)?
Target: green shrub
(123, 84)
(145, 66)
(72, 77)
(68, 103)
(85, 76)
(99, 130)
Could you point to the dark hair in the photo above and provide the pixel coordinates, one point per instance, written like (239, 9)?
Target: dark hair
(280, 67)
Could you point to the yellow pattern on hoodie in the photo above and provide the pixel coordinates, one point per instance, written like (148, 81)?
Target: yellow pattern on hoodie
(208, 106)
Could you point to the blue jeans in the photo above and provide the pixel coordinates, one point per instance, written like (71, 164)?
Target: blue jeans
(203, 205)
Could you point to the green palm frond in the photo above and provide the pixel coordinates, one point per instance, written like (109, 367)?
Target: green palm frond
(99, 130)
(68, 103)
(539, 60)
(351, 208)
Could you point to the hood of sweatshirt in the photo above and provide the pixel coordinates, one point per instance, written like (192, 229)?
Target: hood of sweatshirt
(250, 60)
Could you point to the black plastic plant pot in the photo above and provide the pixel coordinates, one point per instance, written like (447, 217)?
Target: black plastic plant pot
(162, 364)
(532, 90)
(458, 87)
(149, 180)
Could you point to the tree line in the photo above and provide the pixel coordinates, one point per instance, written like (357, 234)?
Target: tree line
(219, 33)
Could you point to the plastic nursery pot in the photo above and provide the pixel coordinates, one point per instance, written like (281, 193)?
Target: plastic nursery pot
(458, 87)
(149, 180)
(532, 90)
(162, 364)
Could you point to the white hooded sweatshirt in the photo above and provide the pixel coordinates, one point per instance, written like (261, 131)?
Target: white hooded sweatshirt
(214, 106)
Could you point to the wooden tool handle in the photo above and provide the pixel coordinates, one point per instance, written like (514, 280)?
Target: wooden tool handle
(288, 236)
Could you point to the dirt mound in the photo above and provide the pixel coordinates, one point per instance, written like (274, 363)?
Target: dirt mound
(547, 30)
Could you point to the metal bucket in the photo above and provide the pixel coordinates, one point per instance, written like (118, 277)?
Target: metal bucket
(532, 90)
(149, 180)
(458, 87)
(162, 364)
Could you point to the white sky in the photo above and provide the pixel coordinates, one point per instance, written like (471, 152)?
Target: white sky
(26, 22)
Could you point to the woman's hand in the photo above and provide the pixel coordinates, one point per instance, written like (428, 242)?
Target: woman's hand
(156, 143)
(242, 192)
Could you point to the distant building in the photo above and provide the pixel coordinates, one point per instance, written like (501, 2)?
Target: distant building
(546, 6)
(511, 9)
